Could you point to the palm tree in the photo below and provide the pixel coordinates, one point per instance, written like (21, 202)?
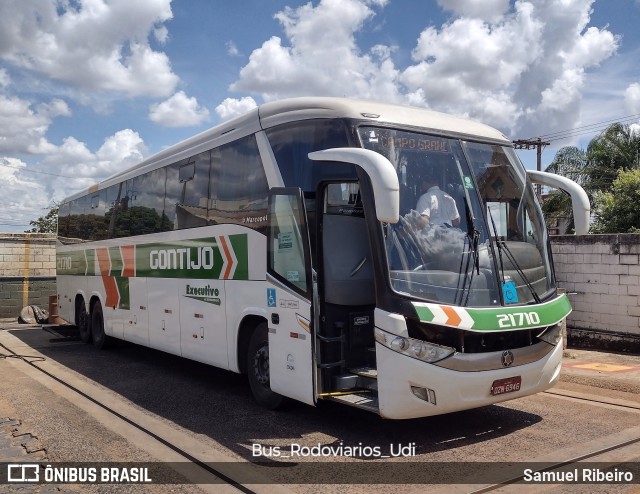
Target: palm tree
(616, 148)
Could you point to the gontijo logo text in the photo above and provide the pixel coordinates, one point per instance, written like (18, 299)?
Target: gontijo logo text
(183, 258)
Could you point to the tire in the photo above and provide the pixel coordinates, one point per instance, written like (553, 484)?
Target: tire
(82, 322)
(258, 369)
(100, 339)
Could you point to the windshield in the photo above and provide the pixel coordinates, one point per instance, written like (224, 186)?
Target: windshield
(515, 221)
(445, 248)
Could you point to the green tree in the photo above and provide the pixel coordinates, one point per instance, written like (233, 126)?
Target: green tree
(569, 162)
(616, 149)
(45, 224)
(617, 211)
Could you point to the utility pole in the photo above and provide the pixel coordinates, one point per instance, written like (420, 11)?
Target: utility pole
(531, 144)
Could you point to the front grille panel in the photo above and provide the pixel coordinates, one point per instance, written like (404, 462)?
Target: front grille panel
(471, 341)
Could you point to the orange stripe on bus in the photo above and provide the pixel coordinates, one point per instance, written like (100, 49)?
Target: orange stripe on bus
(128, 260)
(110, 287)
(454, 318)
(227, 254)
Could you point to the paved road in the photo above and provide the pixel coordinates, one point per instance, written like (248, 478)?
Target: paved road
(213, 412)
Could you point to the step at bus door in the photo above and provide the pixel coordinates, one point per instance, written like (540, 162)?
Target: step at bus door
(289, 296)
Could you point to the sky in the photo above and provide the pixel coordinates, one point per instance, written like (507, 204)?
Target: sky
(91, 87)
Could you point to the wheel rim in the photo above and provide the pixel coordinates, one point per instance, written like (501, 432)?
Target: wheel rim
(261, 365)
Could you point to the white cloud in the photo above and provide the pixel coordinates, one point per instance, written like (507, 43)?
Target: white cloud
(9, 167)
(23, 128)
(25, 197)
(91, 44)
(73, 159)
(532, 59)
(122, 149)
(632, 98)
(231, 107)
(178, 111)
(232, 49)
(65, 169)
(322, 57)
(521, 68)
(161, 34)
(5, 79)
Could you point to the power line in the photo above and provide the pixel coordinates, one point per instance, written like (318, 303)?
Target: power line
(585, 129)
(15, 224)
(35, 171)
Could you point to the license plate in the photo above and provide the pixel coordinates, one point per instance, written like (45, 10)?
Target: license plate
(508, 385)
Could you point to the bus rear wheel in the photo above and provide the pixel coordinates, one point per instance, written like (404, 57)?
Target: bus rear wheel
(258, 369)
(100, 339)
(82, 322)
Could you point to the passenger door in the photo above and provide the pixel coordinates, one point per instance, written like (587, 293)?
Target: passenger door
(289, 294)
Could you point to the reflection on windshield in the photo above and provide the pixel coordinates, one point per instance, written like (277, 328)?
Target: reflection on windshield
(516, 222)
(457, 202)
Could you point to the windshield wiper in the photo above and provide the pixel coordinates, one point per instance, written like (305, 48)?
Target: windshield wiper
(474, 238)
(502, 245)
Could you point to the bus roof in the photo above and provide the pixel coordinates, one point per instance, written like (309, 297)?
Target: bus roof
(282, 111)
(306, 108)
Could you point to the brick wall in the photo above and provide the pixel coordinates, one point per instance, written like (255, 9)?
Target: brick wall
(603, 272)
(27, 271)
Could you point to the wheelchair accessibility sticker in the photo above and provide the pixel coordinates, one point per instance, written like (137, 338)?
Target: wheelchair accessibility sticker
(271, 297)
(509, 292)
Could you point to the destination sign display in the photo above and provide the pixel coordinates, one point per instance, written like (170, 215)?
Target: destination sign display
(409, 142)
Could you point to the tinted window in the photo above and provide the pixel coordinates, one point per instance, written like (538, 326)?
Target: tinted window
(112, 207)
(291, 144)
(97, 229)
(188, 192)
(63, 220)
(239, 186)
(77, 217)
(147, 206)
(122, 223)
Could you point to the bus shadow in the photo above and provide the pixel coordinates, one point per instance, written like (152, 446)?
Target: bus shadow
(218, 404)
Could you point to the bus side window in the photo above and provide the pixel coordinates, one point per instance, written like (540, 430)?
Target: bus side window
(147, 206)
(63, 220)
(187, 193)
(111, 209)
(292, 143)
(238, 188)
(286, 256)
(78, 218)
(96, 216)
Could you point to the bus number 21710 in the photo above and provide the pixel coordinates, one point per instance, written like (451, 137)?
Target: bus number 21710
(518, 319)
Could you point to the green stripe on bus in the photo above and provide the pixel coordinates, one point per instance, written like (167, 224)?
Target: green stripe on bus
(504, 318)
(116, 261)
(71, 263)
(201, 258)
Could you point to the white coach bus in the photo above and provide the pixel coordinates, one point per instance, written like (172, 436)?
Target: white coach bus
(287, 245)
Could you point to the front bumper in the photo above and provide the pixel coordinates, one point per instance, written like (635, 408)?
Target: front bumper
(454, 390)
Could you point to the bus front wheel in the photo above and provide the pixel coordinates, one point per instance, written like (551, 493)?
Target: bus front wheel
(258, 369)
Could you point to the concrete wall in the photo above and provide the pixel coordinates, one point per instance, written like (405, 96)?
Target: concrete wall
(603, 272)
(27, 271)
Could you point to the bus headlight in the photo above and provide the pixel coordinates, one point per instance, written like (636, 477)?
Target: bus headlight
(399, 344)
(552, 334)
(418, 349)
